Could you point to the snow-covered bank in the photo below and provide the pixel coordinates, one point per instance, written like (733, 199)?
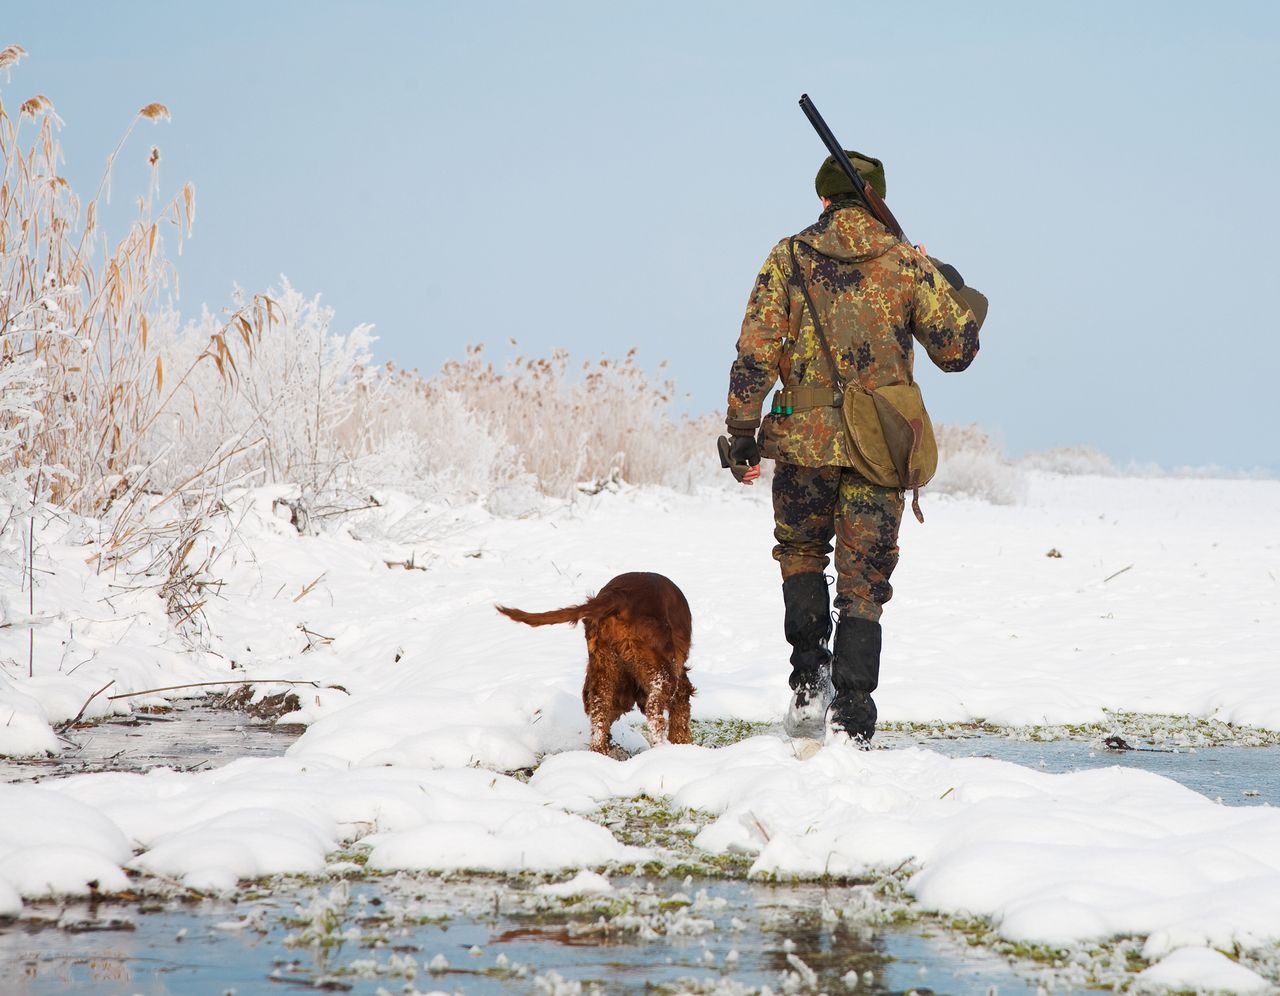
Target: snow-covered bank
(1050, 858)
(1165, 598)
(984, 625)
(81, 632)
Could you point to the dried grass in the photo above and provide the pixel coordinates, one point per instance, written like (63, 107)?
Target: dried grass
(83, 382)
(312, 411)
(74, 321)
(11, 56)
(558, 423)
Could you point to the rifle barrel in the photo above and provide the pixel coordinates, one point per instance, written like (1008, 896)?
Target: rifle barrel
(874, 202)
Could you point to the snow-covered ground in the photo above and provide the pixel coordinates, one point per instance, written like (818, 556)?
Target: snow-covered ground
(1165, 599)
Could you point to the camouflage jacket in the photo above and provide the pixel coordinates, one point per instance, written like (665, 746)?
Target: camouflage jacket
(874, 294)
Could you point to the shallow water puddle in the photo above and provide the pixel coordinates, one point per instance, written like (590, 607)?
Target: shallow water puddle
(488, 937)
(478, 935)
(1235, 776)
(191, 736)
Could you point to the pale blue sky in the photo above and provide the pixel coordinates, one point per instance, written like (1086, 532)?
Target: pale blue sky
(598, 176)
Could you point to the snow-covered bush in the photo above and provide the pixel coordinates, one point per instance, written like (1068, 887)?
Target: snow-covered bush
(280, 411)
(1070, 460)
(970, 463)
(84, 383)
(610, 422)
(308, 408)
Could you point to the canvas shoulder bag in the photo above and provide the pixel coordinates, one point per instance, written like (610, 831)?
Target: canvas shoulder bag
(890, 435)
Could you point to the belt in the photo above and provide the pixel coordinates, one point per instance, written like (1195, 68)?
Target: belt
(799, 399)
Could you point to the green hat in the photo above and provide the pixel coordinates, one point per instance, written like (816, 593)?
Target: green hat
(831, 181)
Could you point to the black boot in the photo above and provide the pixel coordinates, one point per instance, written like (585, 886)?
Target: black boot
(807, 625)
(855, 672)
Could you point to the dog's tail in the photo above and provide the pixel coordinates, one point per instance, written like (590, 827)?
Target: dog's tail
(570, 614)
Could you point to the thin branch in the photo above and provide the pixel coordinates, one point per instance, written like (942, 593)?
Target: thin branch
(80, 715)
(214, 684)
(309, 588)
(31, 575)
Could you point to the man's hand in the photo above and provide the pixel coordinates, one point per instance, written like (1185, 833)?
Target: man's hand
(741, 456)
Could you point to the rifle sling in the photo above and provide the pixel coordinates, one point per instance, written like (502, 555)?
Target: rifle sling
(839, 382)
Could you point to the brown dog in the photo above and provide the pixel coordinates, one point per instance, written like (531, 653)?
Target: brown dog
(638, 631)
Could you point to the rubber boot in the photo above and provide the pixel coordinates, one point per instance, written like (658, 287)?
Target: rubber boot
(807, 626)
(855, 672)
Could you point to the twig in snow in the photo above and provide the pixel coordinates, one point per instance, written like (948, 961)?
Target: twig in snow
(408, 565)
(1117, 573)
(900, 867)
(309, 588)
(92, 656)
(320, 638)
(189, 613)
(215, 684)
(31, 574)
(373, 503)
(66, 726)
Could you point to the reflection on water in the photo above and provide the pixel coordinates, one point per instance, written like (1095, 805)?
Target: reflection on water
(696, 935)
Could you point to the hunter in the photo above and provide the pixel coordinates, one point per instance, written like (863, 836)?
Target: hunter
(874, 294)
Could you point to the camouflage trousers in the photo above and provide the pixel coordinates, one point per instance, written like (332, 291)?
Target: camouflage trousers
(812, 505)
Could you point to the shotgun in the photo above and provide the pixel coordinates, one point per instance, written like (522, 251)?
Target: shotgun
(875, 204)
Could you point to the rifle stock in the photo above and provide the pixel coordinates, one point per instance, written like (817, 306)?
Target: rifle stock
(874, 202)
(877, 206)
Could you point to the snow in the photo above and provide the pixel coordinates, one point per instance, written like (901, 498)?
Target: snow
(259, 817)
(1049, 858)
(1199, 970)
(585, 883)
(419, 701)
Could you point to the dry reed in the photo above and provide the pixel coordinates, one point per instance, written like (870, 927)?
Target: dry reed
(76, 316)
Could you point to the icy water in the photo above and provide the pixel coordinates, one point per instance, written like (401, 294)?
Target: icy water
(423, 933)
(191, 737)
(1235, 776)
(475, 937)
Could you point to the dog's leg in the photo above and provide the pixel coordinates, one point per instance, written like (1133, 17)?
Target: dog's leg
(656, 705)
(598, 700)
(679, 732)
(600, 691)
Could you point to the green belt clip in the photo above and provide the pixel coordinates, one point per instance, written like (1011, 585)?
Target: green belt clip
(789, 410)
(775, 410)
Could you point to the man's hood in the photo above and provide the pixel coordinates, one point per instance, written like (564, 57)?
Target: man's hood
(847, 232)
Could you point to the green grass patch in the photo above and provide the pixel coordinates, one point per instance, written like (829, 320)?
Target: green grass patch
(723, 732)
(1147, 729)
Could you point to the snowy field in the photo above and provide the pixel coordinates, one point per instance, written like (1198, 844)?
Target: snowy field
(1165, 599)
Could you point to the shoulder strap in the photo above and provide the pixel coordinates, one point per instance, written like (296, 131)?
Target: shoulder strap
(817, 324)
